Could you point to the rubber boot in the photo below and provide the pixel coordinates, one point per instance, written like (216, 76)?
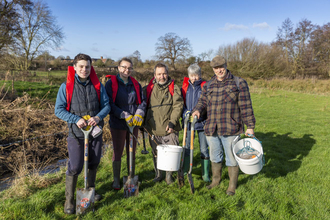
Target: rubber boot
(91, 176)
(216, 174)
(158, 173)
(116, 166)
(70, 188)
(205, 170)
(186, 165)
(233, 177)
(169, 179)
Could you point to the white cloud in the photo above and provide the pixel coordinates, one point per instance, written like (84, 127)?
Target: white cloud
(229, 27)
(263, 25)
(61, 49)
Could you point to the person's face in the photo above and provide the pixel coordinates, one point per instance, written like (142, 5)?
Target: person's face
(83, 69)
(193, 78)
(125, 69)
(220, 72)
(161, 75)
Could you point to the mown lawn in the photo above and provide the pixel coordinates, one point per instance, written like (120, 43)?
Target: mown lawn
(293, 184)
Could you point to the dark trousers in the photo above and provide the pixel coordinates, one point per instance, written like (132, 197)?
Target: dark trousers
(76, 154)
(118, 139)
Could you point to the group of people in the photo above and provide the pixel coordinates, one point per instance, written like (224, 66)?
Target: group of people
(222, 106)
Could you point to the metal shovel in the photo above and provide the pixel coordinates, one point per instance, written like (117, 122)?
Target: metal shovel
(85, 196)
(190, 179)
(131, 186)
(180, 172)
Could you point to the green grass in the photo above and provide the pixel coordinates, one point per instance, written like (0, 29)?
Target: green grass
(293, 184)
(34, 89)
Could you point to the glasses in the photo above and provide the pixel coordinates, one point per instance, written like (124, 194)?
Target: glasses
(127, 68)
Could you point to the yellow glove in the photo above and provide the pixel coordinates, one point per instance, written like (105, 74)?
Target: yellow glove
(86, 117)
(128, 118)
(137, 120)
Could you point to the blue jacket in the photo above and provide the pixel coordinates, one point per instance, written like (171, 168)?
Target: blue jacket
(125, 101)
(193, 93)
(60, 104)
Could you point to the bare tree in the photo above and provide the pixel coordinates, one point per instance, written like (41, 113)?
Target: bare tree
(9, 16)
(320, 46)
(39, 31)
(301, 40)
(172, 47)
(285, 37)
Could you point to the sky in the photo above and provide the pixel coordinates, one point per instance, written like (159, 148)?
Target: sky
(114, 29)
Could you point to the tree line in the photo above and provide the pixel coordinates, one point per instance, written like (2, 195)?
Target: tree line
(28, 29)
(300, 51)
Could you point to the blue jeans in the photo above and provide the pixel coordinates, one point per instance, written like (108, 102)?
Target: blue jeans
(219, 144)
(204, 148)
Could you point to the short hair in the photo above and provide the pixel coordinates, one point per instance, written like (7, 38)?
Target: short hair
(194, 69)
(161, 65)
(81, 56)
(125, 59)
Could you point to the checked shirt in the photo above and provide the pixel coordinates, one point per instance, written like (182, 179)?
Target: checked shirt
(227, 106)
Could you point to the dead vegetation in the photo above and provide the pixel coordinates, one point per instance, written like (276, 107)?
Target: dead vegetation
(29, 136)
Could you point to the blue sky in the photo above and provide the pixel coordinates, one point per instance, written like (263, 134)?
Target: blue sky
(114, 29)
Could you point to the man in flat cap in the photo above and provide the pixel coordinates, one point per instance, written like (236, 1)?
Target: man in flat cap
(226, 98)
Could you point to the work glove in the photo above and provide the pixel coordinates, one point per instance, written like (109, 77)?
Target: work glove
(138, 118)
(128, 118)
(97, 130)
(186, 114)
(86, 117)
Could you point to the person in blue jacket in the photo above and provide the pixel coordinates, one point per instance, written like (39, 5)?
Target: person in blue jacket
(86, 99)
(191, 91)
(128, 106)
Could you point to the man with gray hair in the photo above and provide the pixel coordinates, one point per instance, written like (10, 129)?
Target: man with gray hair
(164, 108)
(226, 98)
(191, 91)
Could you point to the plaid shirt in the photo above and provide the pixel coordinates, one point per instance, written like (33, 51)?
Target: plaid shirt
(226, 106)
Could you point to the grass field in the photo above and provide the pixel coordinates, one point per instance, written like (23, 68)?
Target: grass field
(293, 184)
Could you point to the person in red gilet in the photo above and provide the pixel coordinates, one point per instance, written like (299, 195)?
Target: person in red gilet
(128, 105)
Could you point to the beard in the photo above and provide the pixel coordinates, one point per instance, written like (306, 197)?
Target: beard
(162, 82)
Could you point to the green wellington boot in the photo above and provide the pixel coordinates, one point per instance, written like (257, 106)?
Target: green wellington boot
(206, 170)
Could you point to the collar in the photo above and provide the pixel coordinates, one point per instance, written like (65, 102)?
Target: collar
(79, 81)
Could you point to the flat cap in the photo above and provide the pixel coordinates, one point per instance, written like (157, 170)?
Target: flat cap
(218, 61)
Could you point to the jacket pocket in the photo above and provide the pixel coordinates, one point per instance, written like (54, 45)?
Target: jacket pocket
(231, 95)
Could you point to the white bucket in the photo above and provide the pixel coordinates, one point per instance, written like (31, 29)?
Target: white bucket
(168, 157)
(249, 166)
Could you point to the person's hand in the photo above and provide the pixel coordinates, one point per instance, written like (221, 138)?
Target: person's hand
(128, 118)
(196, 113)
(81, 123)
(93, 121)
(249, 132)
(169, 130)
(187, 114)
(137, 120)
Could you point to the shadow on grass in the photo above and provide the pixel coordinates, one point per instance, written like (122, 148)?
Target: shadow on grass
(284, 154)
